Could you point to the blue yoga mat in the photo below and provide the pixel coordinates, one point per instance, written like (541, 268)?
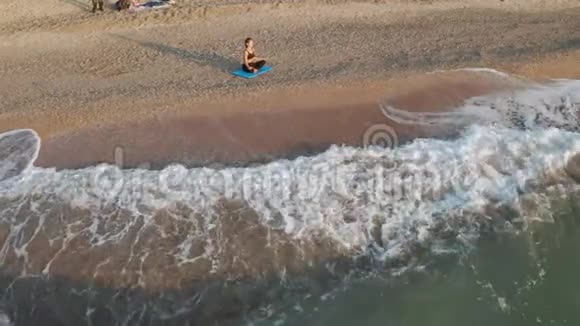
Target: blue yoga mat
(241, 73)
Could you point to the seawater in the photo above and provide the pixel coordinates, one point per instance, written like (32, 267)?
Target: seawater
(481, 228)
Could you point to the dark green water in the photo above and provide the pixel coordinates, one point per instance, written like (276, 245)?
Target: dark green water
(522, 278)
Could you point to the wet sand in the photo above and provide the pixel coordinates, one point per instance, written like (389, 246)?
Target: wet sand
(308, 124)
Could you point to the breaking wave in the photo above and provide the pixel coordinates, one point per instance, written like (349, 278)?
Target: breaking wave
(431, 195)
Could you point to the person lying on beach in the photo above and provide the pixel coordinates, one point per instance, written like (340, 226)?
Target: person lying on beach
(251, 63)
(126, 4)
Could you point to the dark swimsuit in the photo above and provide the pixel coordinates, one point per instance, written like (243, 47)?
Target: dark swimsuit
(256, 65)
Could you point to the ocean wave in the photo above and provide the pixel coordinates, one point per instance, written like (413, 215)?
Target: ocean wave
(387, 202)
(556, 104)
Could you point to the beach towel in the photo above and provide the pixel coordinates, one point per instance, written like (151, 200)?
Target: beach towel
(155, 4)
(241, 73)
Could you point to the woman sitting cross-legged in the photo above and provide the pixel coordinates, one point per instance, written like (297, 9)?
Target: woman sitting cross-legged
(251, 63)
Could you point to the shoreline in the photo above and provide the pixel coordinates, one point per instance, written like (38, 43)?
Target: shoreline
(192, 130)
(279, 125)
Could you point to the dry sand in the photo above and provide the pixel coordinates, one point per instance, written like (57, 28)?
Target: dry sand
(158, 83)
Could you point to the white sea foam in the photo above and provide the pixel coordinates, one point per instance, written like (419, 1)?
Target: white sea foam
(18, 150)
(5, 320)
(556, 104)
(342, 192)
(385, 199)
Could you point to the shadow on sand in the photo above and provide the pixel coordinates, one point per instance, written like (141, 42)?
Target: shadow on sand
(202, 58)
(85, 5)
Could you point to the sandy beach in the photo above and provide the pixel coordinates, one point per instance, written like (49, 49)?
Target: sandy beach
(63, 68)
(228, 221)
